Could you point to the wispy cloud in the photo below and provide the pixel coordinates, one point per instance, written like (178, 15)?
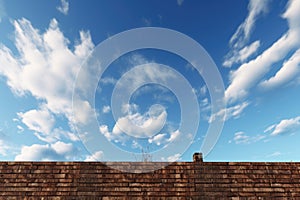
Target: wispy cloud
(242, 35)
(285, 126)
(64, 7)
(230, 112)
(275, 154)
(250, 73)
(239, 51)
(241, 55)
(288, 73)
(243, 138)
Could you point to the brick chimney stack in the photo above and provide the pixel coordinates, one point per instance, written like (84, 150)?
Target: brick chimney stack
(198, 157)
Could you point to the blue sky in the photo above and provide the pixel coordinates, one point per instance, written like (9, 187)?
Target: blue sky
(254, 44)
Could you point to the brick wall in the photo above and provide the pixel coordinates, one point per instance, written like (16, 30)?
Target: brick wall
(180, 180)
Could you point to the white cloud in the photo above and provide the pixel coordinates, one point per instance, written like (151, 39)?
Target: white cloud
(4, 148)
(141, 125)
(106, 109)
(249, 74)
(20, 129)
(202, 91)
(174, 136)
(151, 72)
(275, 154)
(55, 135)
(241, 137)
(56, 151)
(289, 71)
(118, 135)
(108, 80)
(248, 51)
(97, 156)
(64, 7)
(62, 148)
(241, 55)
(42, 123)
(230, 112)
(115, 136)
(38, 120)
(46, 68)
(163, 138)
(158, 139)
(136, 145)
(172, 158)
(242, 34)
(82, 112)
(239, 51)
(285, 126)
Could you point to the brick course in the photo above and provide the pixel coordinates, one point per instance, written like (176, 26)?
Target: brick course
(179, 180)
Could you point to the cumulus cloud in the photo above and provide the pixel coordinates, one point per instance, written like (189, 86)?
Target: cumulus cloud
(64, 7)
(45, 67)
(285, 126)
(250, 73)
(97, 156)
(147, 125)
(141, 125)
(47, 152)
(136, 124)
(38, 120)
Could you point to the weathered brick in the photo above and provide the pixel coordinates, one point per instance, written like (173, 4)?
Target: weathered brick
(180, 180)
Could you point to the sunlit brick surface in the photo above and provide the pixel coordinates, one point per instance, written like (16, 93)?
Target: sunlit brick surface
(180, 180)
